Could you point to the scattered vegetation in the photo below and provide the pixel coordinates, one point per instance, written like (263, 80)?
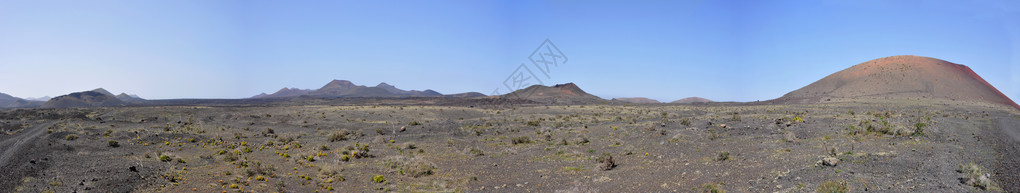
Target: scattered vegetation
(413, 167)
(605, 161)
(533, 123)
(339, 135)
(165, 158)
(520, 140)
(722, 156)
(974, 175)
(712, 188)
(113, 143)
(70, 137)
(833, 187)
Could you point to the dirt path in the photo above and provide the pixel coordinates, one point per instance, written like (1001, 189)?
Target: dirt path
(1009, 149)
(12, 145)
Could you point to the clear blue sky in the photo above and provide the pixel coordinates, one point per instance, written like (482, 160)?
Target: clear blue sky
(665, 50)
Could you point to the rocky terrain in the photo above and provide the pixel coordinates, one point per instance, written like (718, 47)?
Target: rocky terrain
(869, 128)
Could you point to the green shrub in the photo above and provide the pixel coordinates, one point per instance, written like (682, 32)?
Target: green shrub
(165, 158)
(476, 152)
(339, 135)
(520, 140)
(722, 156)
(713, 188)
(413, 167)
(833, 187)
(71, 137)
(378, 179)
(974, 175)
(345, 158)
(919, 129)
(534, 123)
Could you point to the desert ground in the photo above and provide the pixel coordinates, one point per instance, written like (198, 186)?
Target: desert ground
(855, 146)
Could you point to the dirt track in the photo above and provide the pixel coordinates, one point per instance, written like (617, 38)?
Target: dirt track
(1007, 146)
(12, 145)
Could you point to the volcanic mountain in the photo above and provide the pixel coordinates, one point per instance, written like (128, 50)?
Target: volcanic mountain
(901, 77)
(635, 100)
(93, 98)
(567, 93)
(690, 100)
(343, 88)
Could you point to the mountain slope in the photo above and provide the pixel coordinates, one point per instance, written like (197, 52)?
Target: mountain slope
(129, 97)
(344, 88)
(567, 93)
(93, 98)
(689, 100)
(8, 101)
(900, 77)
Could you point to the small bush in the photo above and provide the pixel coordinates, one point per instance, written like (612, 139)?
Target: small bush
(474, 151)
(345, 158)
(833, 187)
(722, 156)
(230, 157)
(113, 143)
(71, 137)
(713, 188)
(919, 129)
(974, 175)
(520, 140)
(413, 167)
(534, 123)
(339, 135)
(165, 158)
(582, 140)
(605, 161)
(378, 179)
(358, 151)
(414, 123)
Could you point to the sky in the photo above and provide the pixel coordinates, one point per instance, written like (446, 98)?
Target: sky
(664, 50)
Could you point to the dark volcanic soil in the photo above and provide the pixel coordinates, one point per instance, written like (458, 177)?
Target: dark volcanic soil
(880, 146)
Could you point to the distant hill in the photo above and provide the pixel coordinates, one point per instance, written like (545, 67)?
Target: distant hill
(690, 100)
(466, 95)
(43, 98)
(900, 77)
(567, 93)
(8, 101)
(129, 97)
(395, 90)
(635, 100)
(344, 88)
(93, 98)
